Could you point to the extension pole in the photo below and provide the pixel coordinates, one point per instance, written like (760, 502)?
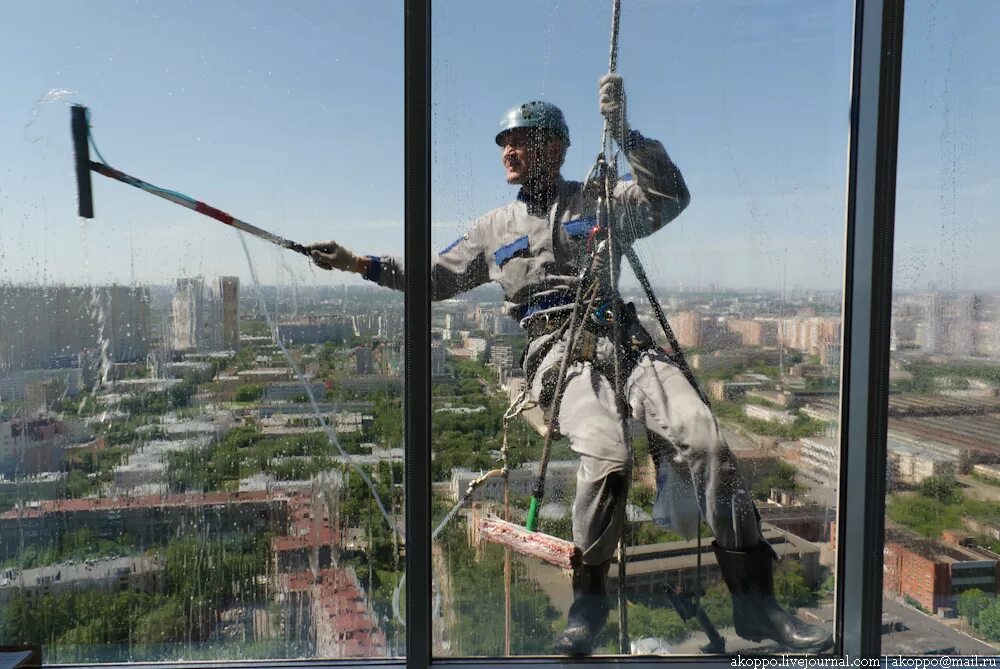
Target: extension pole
(81, 134)
(200, 207)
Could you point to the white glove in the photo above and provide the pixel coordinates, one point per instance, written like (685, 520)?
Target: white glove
(331, 255)
(612, 104)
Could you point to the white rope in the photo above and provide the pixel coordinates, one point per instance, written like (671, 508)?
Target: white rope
(330, 434)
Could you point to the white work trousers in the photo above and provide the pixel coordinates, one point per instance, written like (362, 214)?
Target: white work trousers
(695, 466)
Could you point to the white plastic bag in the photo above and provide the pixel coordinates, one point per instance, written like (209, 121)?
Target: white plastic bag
(676, 505)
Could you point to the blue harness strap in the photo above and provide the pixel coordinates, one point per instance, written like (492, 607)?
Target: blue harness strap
(547, 302)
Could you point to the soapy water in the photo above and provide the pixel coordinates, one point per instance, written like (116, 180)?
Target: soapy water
(51, 96)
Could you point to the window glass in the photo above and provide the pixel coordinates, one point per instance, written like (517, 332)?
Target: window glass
(942, 503)
(200, 432)
(742, 108)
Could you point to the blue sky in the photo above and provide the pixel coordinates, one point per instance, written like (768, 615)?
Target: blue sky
(289, 115)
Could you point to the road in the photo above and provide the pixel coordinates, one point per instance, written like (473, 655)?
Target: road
(923, 635)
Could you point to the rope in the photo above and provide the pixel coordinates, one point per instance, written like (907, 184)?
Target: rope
(605, 211)
(520, 404)
(616, 10)
(616, 13)
(506, 570)
(331, 435)
(90, 138)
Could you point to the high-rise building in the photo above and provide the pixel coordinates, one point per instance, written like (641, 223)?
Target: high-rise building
(505, 325)
(962, 330)
(51, 326)
(187, 310)
(454, 321)
(951, 324)
(687, 325)
(755, 332)
(810, 334)
(439, 359)
(933, 339)
(200, 321)
(228, 289)
(127, 321)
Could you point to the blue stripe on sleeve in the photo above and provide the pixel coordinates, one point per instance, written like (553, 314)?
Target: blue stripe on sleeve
(451, 246)
(505, 253)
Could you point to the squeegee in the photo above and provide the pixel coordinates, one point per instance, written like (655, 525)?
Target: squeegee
(84, 165)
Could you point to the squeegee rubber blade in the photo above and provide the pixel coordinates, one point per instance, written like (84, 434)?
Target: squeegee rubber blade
(81, 154)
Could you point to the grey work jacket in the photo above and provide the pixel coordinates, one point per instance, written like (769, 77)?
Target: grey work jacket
(535, 251)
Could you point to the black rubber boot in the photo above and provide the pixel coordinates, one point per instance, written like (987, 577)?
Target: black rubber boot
(589, 610)
(756, 613)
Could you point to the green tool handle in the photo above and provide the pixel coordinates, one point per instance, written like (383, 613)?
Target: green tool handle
(532, 521)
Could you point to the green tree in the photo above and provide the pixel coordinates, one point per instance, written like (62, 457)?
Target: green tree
(651, 533)
(790, 585)
(784, 479)
(646, 621)
(829, 584)
(971, 603)
(718, 605)
(988, 621)
(477, 601)
(250, 392)
(941, 488)
(78, 484)
(162, 624)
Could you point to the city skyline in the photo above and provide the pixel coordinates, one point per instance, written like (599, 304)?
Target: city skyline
(200, 428)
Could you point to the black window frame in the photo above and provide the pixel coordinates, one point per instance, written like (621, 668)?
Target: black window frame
(878, 33)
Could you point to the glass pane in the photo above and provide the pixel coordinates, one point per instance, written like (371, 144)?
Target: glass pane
(750, 101)
(943, 500)
(200, 452)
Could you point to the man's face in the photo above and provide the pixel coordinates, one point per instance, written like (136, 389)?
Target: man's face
(531, 156)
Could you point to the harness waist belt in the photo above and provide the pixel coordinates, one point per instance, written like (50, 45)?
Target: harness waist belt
(548, 302)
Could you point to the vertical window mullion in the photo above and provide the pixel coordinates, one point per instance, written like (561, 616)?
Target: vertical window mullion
(416, 410)
(867, 315)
